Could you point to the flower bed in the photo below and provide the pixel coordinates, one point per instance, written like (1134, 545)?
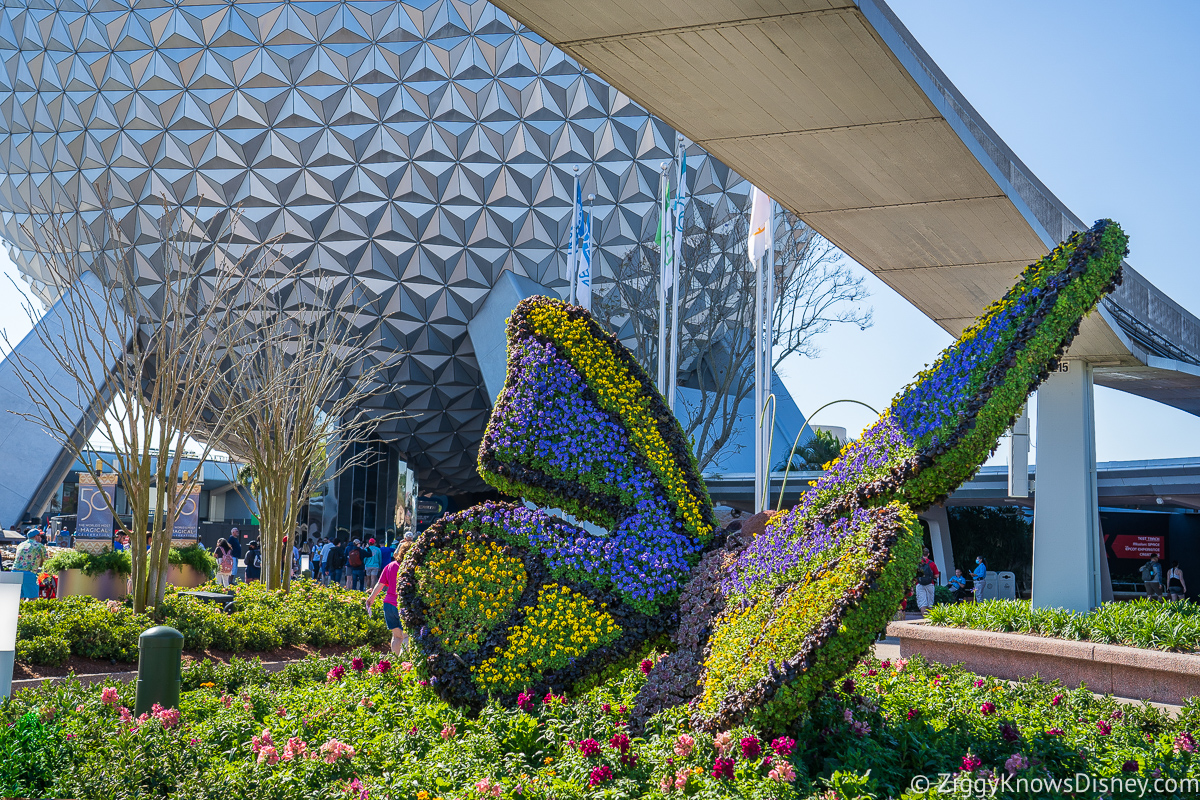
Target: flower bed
(1138, 623)
(49, 632)
(360, 727)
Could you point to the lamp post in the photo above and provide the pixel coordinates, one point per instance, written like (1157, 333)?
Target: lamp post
(10, 606)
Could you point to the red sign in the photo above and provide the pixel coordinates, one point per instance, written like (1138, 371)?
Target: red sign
(1139, 547)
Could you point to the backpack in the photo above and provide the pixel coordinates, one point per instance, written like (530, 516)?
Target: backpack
(926, 576)
(256, 559)
(354, 558)
(1147, 572)
(226, 563)
(337, 558)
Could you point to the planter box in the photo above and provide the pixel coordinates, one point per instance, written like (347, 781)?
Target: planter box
(105, 586)
(185, 577)
(1130, 672)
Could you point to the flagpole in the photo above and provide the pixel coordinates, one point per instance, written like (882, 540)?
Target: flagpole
(677, 269)
(572, 254)
(768, 333)
(759, 395)
(663, 257)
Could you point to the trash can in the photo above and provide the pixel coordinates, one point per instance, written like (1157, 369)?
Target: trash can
(1006, 586)
(160, 654)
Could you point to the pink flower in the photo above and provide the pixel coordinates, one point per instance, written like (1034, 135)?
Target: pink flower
(109, 696)
(367, 702)
(900, 664)
(681, 778)
(281, 712)
(912, 712)
(751, 747)
(356, 786)
(193, 741)
(1015, 763)
(268, 755)
(1104, 726)
(606, 708)
(887, 663)
(782, 773)
(871, 673)
(684, 745)
(971, 762)
(847, 715)
(1056, 732)
(590, 748)
(257, 743)
(783, 745)
(79, 708)
(525, 702)
(646, 666)
(226, 700)
(620, 742)
(599, 775)
(723, 769)
(357, 664)
(723, 741)
(334, 675)
(125, 715)
(169, 717)
(666, 784)
(1057, 699)
(488, 789)
(295, 748)
(448, 732)
(979, 683)
(1184, 743)
(987, 708)
(381, 668)
(860, 728)
(333, 750)
(406, 666)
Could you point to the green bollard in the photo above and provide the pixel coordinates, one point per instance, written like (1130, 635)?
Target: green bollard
(160, 652)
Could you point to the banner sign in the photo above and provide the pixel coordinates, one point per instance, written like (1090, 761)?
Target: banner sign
(1139, 547)
(94, 518)
(187, 524)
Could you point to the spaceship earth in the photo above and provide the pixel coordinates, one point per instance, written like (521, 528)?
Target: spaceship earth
(408, 151)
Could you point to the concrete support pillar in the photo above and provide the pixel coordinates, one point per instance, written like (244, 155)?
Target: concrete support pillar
(939, 538)
(1066, 520)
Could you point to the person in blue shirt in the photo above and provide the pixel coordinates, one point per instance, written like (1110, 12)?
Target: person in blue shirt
(979, 575)
(957, 585)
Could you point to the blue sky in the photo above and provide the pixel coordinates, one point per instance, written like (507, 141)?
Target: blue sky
(1099, 100)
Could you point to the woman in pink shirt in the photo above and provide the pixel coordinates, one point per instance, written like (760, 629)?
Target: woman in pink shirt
(391, 614)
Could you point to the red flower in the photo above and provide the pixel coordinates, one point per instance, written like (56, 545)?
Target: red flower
(1056, 732)
(525, 701)
(723, 768)
(357, 664)
(646, 666)
(751, 748)
(590, 748)
(619, 741)
(987, 708)
(783, 745)
(970, 762)
(599, 775)
(1105, 727)
(912, 712)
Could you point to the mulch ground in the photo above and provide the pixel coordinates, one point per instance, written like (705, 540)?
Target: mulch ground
(92, 666)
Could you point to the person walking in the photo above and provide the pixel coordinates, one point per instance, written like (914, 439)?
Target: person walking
(979, 575)
(388, 578)
(235, 548)
(253, 562)
(1176, 585)
(31, 554)
(356, 565)
(374, 563)
(335, 564)
(926, 581)
(1152, 577)
(224, 555)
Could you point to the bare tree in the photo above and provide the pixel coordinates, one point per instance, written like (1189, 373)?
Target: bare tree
(136, 338)
(814, 290)
(301, 402)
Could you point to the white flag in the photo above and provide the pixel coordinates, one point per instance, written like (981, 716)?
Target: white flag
(583, 288)
(761, 235)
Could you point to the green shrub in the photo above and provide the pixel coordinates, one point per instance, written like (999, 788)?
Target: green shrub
(32, 752)
(50, 651)
(196, 557)
(1140, 623)
(117, 561)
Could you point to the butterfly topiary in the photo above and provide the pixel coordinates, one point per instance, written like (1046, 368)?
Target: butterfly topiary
(507, 598)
